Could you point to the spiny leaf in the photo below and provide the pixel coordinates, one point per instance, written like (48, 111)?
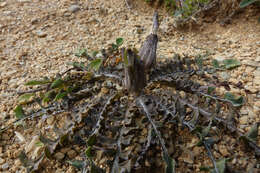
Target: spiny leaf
(205, 131)
(79, 164)
(25, 97)
(119, 41)
(95, 64)
(170, 168)
(231, 63)
(37, 82)
(57, 83)
(253, 132)
(235, 100)
(30, 165)
(19, 113)
(24, 159)
(49, 143)
(245, 3)
(221, 166)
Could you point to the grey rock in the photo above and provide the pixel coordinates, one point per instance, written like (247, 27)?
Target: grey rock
(225, 76)
(257, 73)
(74, 8)
(5, 166)
(67, 14)
(59, 156)
(41, 34)
(220, 58)
(1, 160)
(251, 63)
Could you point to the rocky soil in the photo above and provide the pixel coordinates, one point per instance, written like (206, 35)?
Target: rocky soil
(39, 38)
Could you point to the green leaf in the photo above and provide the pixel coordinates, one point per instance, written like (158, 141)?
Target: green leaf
(245, 3)
(204, 168)
(235, 100)
(119, 41)
(170, 168)
(95, 64)
(79, 164)
(88, 152)
(215, 64)
(39, 144)
(26, 97)
(253, 132)
(221, 166)
(60, 95)
(81, 53)
(19, 113)
(91, 140)
(231, 63)
(114, 46)
(94, 54)
(77, 65)
(199, 61)
(211, 89)
(50, 95)
(37, 82)
(57, 83)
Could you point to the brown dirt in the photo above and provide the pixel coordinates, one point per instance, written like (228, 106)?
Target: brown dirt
(38, 38)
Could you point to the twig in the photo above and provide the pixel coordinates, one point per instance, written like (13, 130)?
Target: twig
(67, 71)
(30, 91)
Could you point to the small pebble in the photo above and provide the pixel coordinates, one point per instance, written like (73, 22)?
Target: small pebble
(1, 161)
(59, 156)
(5, 166)
(71, 154)
(74, 8)
(41, 34)
(243, 120)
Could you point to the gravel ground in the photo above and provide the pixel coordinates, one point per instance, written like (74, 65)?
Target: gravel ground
(38, 38)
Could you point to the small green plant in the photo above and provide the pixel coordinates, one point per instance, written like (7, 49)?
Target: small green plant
(183, 9)
(246, 3)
